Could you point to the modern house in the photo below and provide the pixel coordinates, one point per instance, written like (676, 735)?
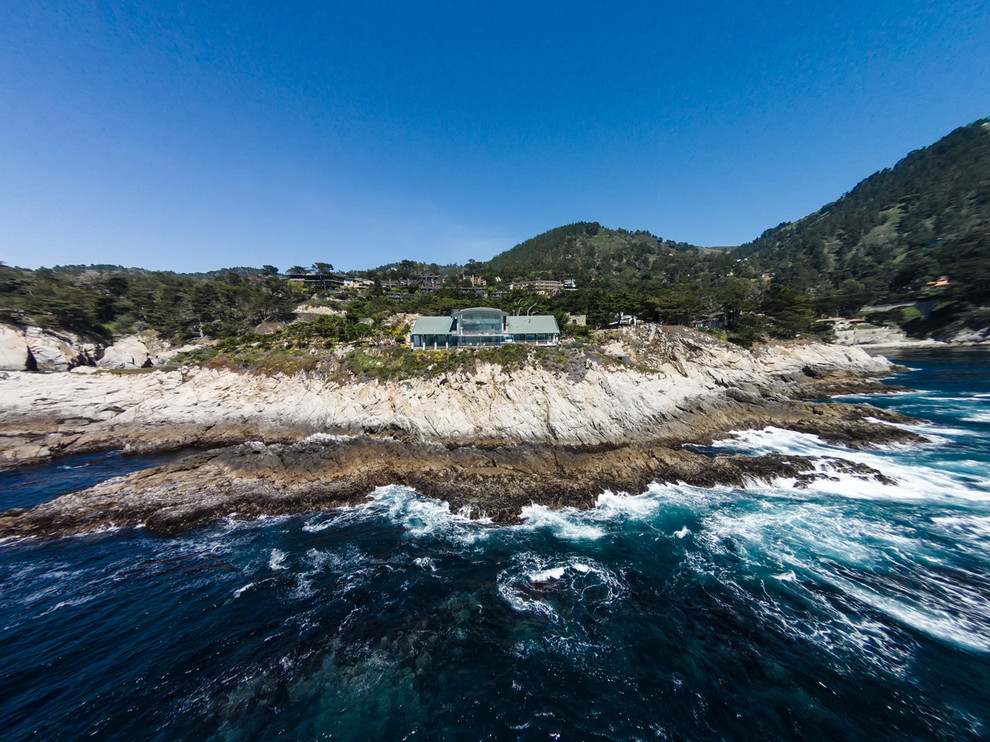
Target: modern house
(484, 327)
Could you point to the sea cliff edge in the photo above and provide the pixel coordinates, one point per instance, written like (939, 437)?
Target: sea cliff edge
(488, 441)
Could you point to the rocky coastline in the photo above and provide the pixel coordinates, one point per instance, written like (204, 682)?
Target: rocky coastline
(488, 441)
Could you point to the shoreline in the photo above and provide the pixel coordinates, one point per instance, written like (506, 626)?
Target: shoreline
(251, 480)
(492, 441)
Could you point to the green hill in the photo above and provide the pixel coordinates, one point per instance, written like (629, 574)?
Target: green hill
(896, 233)
(591, 253)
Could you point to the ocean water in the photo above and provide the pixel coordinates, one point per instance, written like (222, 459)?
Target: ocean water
(847, 610)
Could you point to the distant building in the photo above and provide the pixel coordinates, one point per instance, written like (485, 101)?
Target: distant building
(329, 280)
(941, 283)
(484, 327)
(546, 288)
(431, 283)
(714, 321)
(400, 283)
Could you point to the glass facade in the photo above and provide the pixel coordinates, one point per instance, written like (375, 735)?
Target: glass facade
(539, 337)
(429, 341)
(480, 322)
(476, 341)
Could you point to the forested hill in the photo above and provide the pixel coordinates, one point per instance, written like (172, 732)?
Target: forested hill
(588, 252)
(898, 230)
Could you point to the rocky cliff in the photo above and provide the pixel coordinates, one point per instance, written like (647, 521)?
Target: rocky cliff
(677, 385)
(488, 440)
(37, 349)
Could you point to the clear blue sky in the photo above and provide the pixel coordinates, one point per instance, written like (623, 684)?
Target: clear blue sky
(192, 136)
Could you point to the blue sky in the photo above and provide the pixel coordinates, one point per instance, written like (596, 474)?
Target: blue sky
(194, 136)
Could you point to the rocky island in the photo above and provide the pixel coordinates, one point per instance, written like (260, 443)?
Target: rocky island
(487, 438)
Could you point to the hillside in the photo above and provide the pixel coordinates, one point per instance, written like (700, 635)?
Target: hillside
(589, 252)
(896, 232)
(101, 302)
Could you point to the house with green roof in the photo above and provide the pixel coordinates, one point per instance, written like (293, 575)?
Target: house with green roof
(483, 327)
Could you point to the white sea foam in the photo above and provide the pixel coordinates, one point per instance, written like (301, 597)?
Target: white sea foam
(567, 523)
(935, 622)
(913, 482)
(425, 517)
(425, 563)
(67, 603)
(277, 560)
(968, 525)
(315, 526)
(534, 582)
(518, 602)
(899, 393)
(932, 431)
(636, 506)
(554, 573)
(683, 533)
(240, 591)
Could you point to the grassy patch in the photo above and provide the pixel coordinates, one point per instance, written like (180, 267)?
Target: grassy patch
(263, 361)
(408, 363)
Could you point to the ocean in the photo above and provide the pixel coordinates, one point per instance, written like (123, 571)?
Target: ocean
(846, 610)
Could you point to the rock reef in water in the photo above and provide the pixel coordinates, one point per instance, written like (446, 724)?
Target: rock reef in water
(255, 479)
(494, 439)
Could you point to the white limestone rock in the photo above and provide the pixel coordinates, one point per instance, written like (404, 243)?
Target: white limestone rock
(682, 379)
(13, 349)
(59, 350)
(135, 351)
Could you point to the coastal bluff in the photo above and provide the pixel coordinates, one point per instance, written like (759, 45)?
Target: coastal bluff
(667, 384)
(487, 439)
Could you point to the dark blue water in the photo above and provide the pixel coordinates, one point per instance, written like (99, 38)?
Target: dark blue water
(31, 485)
(850, 610)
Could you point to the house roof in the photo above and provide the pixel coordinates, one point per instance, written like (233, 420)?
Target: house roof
(433, 326)
(540, 323)
(480, 309)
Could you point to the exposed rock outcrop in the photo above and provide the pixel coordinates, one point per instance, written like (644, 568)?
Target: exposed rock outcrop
(254, 479)
(490, 440)
(13, 349)
(37, 349)
(684, 386)
(143, 350)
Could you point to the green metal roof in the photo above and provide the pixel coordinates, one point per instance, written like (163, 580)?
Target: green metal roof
(474, 310)
(540, 323)
(432, 326)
